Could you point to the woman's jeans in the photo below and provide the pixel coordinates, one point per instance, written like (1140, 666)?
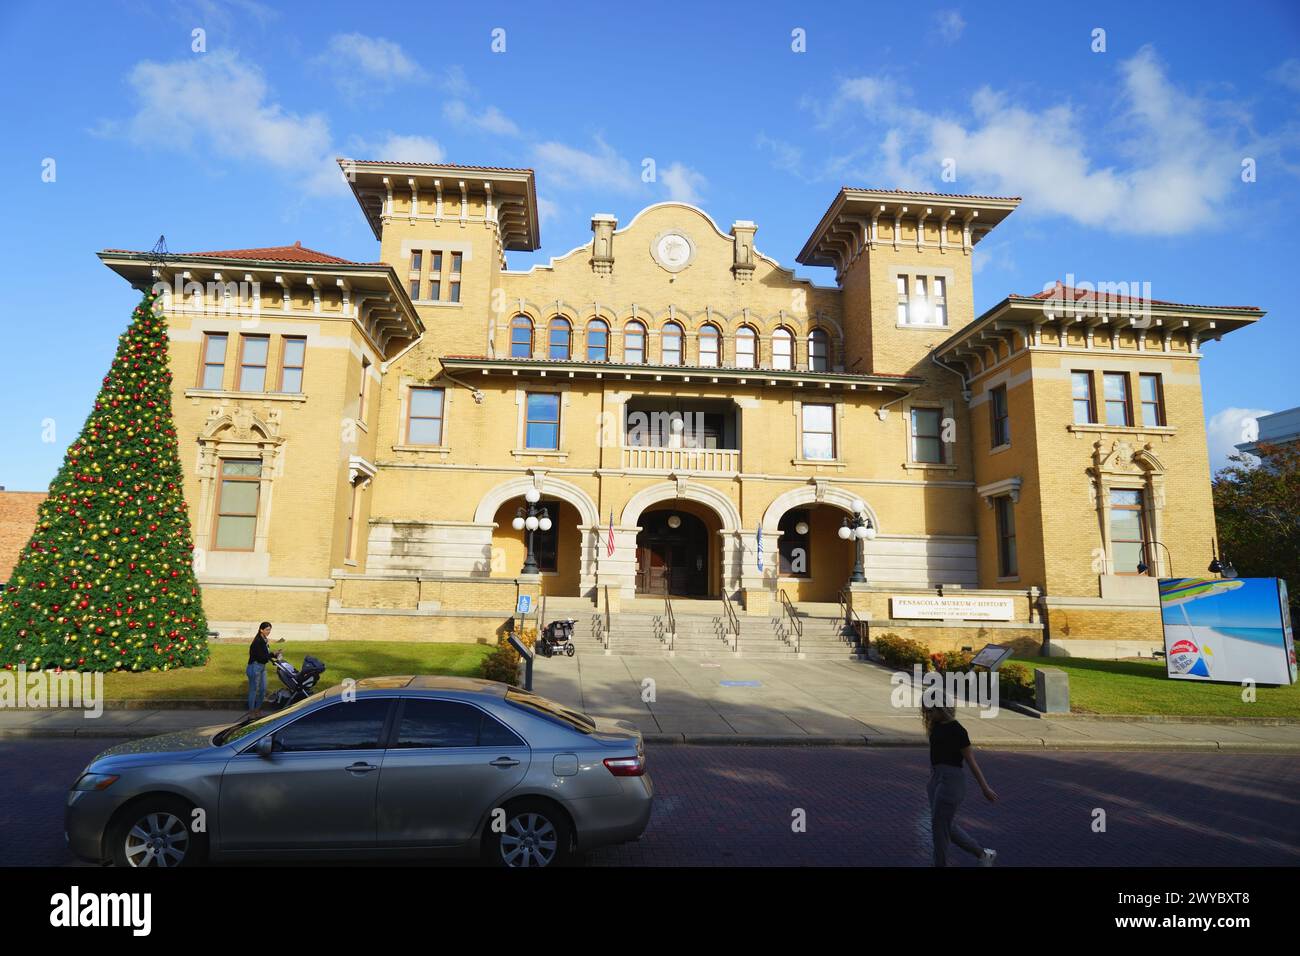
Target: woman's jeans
(256, 685)
(947, 789)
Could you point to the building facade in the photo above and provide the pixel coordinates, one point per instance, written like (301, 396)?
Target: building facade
(360, 438)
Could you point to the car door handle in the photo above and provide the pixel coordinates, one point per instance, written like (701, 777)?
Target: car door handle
(360, 767)
(505, 762)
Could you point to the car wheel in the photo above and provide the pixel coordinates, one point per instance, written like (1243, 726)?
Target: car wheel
(535, 834)
(156, 833)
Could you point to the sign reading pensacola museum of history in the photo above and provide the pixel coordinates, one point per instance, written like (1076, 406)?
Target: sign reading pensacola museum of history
(932, 607)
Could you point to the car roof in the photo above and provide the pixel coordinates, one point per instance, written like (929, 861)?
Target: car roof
(472, 685)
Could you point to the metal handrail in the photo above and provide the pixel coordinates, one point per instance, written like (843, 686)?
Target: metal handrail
(608, 626)
(670, 618)
(541, 615)
(733, 621)
(796, 625)
(850, 616)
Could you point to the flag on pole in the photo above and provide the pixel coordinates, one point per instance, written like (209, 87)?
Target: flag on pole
(609, 545)
(760, 548)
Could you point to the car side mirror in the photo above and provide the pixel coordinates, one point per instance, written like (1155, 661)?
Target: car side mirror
(265, 746)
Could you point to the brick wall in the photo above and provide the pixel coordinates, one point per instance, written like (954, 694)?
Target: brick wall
(17, 522)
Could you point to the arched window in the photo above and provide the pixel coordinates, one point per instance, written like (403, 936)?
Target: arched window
(782, 349)
(819, 348)
(634, 343)
(521, 337)
(557, 339)
(746, 353)
(671, 344)
(597, 341)
(709, 354)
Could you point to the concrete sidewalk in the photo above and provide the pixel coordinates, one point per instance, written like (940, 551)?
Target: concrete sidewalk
(725, 700)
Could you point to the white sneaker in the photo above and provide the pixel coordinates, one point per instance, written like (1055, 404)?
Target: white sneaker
(987, 857)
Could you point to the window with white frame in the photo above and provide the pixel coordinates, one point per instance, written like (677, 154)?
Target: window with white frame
(927, 436)
(746, 347)
(782, 349)
(710, 354)
(818, 429)
(819, 350)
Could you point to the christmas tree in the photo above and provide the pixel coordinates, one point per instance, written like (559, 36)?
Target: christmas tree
(107, 581)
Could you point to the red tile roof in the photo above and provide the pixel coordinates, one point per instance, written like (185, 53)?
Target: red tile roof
(1061, 290)
(401, 162)
(294, 253)
(916, 192)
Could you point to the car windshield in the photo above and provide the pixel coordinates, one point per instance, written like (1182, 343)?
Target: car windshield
(550, 709)
(245, 728)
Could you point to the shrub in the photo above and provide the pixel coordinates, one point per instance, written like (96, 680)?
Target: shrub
(902, 652)
(952, 661)
(1016, 681)
(503, 663)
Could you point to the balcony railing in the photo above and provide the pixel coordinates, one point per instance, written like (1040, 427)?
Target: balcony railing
(651, 458)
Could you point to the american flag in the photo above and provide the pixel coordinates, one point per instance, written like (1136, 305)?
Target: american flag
(609, 545)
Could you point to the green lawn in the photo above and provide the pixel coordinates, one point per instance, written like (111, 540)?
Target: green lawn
(222, 678)
(1141, 687)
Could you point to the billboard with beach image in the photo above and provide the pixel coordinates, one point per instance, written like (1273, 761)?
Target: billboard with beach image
(1227, 630)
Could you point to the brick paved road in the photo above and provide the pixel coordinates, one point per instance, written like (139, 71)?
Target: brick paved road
(733, 805)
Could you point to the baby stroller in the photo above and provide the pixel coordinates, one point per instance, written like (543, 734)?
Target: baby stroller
(556, 639)
(298, 684)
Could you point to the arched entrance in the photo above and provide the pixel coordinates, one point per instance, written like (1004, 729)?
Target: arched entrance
(678, 549)
(558, 550)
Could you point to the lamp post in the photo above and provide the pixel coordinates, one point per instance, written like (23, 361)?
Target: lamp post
(1223, 567)
(1143, 567)
(859, 528)
(531, 518)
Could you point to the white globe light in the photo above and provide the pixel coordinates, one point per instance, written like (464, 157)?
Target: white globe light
(544, 524)
(844, 533)
(859, 533)
(678, 424)
(674, 521)
(870, 532)
(859, 506)
(532, 495)
(801, 528)
(531, 524)
(517, 524)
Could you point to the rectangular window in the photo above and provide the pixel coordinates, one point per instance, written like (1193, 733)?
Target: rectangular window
(214, 361)
(237, 496)
(902, 300)
(354, 505)
(1152, 393)
(1118, 409)
(424, 417)
(1085, 401)
(292, 359)
(1127, 530)
(1000, 417)
(542, 425)
(252, 362)
(819, 432)
(363, 392)
(453, 280)
(940, 301)
(927, 442)
(435, 276)
(920, 305)
(1008, 564)
(415, 288)
(416, 260)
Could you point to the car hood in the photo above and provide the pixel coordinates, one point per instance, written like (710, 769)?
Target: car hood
(181, 742)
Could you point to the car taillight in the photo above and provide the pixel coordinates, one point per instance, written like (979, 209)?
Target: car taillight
(625, 766)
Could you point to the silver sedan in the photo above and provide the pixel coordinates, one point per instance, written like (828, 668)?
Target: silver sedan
(392, 767)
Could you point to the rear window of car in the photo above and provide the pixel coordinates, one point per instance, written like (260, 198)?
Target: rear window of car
(550, 710)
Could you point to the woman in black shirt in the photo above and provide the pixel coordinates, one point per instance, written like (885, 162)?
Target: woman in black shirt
(949, 747)
(259, 653)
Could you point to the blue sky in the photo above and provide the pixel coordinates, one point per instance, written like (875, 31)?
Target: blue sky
(1129, 159)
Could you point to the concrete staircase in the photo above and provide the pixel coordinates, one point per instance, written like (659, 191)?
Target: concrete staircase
(641, 629)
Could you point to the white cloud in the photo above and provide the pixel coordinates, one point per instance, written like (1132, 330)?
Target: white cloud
(489, 120)
(950, 25)
(683, 183)
(219, 104)
(566, 167)
(785, 156)
(1227, 429)
(401, 149)
(547, 210)
(361, 62)
(1178, 161)
(1288, 74)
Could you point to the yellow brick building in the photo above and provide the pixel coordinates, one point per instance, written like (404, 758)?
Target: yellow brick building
(359, 438)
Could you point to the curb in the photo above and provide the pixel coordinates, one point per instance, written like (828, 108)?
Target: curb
(795, 740)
